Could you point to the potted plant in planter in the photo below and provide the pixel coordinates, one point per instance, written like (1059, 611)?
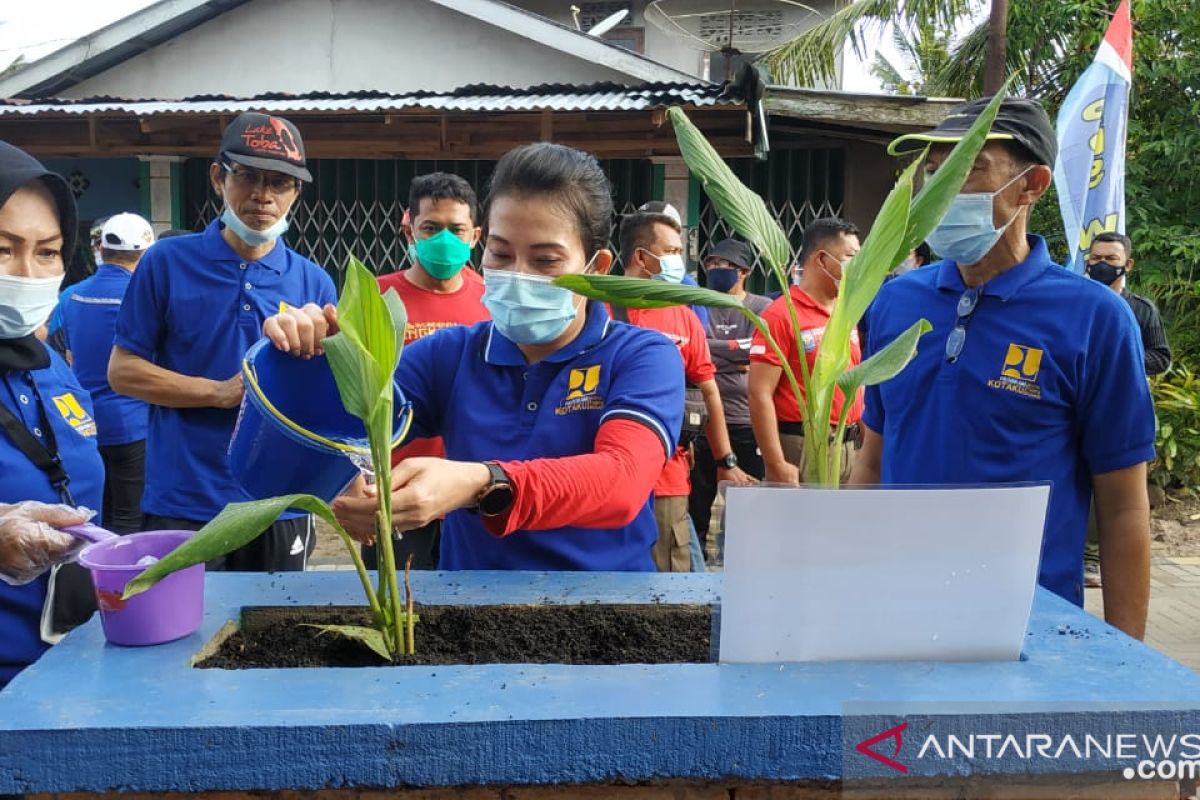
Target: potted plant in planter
(363, 357)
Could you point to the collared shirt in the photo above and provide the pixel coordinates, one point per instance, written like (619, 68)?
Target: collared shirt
(473, 387)
(813, 319)
(46, 396)
(429, 312)
(90, 322)
(1154, 335)
(194, 307)
(1048, 387)
(684, 330)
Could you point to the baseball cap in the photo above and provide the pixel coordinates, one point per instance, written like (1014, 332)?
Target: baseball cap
(265, 142)
(660, 207)
(127, 232)
(1019, 120)
(733, 251)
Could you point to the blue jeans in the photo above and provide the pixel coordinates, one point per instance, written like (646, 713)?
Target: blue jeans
(694, 548)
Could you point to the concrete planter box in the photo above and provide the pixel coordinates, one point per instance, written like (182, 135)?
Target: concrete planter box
(94, 718)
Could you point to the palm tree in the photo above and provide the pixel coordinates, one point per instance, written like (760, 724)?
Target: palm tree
(1044, 45)
(924, 53)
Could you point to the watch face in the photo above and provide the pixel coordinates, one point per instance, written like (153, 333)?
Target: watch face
(730, 461)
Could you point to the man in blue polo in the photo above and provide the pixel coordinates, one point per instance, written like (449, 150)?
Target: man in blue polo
(89, 321)
(193, 308)
(1031, 373)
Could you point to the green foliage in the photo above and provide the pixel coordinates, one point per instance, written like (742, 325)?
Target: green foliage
(903, 222)
(363, 357)
(1177, 405)
(924, 53)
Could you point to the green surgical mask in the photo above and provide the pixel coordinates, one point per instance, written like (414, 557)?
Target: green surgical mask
(442, 255)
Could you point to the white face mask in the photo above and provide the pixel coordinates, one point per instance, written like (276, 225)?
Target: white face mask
(250, 236)
(967, 233)
(26, 304)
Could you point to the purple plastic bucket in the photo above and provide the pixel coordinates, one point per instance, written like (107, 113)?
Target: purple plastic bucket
(169, 610)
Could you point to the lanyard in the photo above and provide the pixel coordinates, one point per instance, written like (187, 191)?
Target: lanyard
(44, 456)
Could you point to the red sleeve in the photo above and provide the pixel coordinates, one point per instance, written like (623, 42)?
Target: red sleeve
(697, 359)
(780, 326)
(602, 489)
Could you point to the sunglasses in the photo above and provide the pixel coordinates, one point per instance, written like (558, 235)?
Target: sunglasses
(958, 336)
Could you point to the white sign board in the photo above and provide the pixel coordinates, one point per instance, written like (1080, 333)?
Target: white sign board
(944, 574)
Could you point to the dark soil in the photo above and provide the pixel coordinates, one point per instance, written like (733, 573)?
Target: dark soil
(541, 634)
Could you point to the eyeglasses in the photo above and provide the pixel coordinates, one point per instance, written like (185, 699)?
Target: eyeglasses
(276, 182)
(958, 336)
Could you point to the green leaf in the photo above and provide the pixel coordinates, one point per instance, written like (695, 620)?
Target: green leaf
(354, 372)
(887, 363)
(643, 293)
(236, 525)
(940, 189)
(364, 353)
(371, 637)
(399, 315)
(744, 210)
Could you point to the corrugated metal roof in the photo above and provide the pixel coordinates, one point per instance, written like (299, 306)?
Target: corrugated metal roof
(553, 97)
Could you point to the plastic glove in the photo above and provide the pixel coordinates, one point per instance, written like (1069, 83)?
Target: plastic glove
(29, 543)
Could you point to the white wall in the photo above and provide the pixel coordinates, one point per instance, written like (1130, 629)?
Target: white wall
(672, 48)
(301, 46)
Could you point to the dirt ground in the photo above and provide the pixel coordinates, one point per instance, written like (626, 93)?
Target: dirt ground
(1175, 528)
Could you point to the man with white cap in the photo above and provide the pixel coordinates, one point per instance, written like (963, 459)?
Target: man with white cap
(89, 320)
(194, 306)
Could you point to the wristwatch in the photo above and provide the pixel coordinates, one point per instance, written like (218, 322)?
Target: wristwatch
(497, 496)
(729, 461)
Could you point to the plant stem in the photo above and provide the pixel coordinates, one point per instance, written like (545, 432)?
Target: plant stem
(381, 456)
(410, 620)
(363, 577)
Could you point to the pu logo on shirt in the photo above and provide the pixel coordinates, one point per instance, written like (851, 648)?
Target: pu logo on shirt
(581, 391)
(75, 415)
(1019, 374)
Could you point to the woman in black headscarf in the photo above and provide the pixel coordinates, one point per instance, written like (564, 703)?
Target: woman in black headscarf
(49, 462)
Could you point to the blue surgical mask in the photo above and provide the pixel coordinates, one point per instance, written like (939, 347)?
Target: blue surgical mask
(249, 235)
(527, 309)
(721, 279)
(967, 233)
(26, 303)
(670, 268)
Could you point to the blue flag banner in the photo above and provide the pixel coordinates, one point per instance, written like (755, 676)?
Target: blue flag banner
(1090, 171)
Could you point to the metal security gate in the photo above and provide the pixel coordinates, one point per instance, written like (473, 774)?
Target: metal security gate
(798, 186)
(353, 206)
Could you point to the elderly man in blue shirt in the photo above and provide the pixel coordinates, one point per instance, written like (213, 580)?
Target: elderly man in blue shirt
(1031, 373)
(193, 307)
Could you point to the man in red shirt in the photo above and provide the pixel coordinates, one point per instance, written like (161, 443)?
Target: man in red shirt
(439, 290)
(828, 246)
(652, 248)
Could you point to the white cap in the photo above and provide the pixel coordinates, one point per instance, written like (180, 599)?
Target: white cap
(126, 232)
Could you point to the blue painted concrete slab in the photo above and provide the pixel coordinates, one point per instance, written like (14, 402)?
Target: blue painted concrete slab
(91, 716)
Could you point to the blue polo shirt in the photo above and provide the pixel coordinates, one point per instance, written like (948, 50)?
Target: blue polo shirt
(46, 395)
(89, 318)
(1049, 387)
(194, 306)
(473, 387)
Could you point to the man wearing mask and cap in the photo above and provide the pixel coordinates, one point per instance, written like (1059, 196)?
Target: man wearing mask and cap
(726, 268)
(1031, 373)
(439, 290)
(194, 306)
(89, 323)
(652, 248)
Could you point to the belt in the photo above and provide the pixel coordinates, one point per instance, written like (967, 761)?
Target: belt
(852, 432)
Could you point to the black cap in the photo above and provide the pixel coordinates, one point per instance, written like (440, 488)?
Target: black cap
(1018, 120)
(18, 168)
(733, 251)
(265, 142)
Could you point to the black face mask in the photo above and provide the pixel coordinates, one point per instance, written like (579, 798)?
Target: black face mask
(1104, 272)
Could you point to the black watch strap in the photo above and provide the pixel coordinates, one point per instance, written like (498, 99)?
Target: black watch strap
(497, 497)
(729, 461)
